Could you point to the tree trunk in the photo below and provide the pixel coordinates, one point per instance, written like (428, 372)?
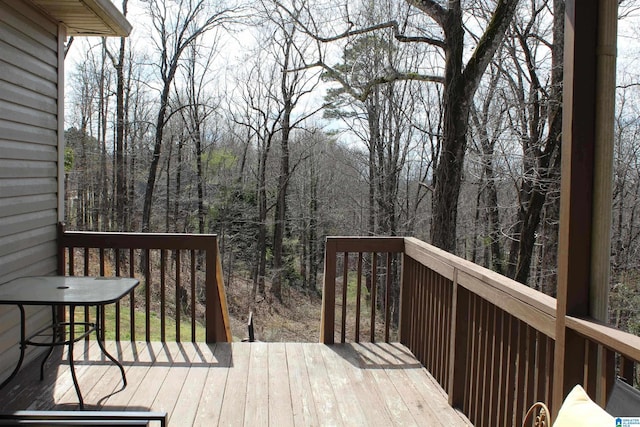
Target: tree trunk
(545, 160)
(448, 173)
(155, 159)
(120, 187)
(281, 201)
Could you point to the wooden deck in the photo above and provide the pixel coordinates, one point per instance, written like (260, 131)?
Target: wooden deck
(256, 384)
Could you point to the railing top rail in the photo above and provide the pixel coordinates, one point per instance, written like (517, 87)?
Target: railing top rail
(366, 243)
(117, 240)
(523, 302)
(614, 339)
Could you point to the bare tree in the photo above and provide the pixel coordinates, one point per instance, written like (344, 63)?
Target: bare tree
(120, 192)
(538, 117)
(460, 81)
(176, 26)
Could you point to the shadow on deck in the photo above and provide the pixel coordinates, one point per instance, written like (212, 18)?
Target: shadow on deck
(275, 384)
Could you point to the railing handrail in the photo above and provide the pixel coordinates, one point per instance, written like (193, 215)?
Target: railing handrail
(527, 304)
(624, 343)
(122, 240)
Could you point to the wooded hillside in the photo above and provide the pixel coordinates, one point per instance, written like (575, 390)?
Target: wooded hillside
(276, 123)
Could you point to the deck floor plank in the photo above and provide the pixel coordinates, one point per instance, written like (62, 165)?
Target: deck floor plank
(427, 387)
(240, 384)
(232, 411)
(302, 403)
(280, 400)
(138, 361)
(383, 370)
(363, 387)
(189, 398)
(322, 391)
(180, 356)
(63, 385)
(213, 393)
(348, 403)
(112, 380)
(256, 411)
(396, 369)
(101, 376)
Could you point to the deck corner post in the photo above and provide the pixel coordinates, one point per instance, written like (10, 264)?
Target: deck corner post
(458, 344)
(328, 315)
(211, 283)
(588, 102)
(61, 248)
(404, 329)
(216, 312)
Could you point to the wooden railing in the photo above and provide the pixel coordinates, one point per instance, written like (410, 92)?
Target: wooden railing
(488, 340)
(364, 278)
(180, 279)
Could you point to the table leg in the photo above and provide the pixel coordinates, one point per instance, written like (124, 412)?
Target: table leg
(23, 346)
(72, 331)
(54, 322)
(99, 336)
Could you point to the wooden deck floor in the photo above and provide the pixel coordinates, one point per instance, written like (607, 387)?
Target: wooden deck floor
(258, 384)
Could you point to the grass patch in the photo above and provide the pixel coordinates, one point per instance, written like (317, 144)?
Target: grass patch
(140, 325)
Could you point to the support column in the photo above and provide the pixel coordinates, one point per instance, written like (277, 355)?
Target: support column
(585, 210)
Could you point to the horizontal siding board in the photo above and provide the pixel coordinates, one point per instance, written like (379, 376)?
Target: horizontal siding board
(27, 187)
(14, 34)
(20, 114)
(21, 132)
(36, 261)
(25, 204)
(27, 169)
(12, 225)
(37, 21)
(13, 150)
(26, 240)
(27, 63)
(27, 98)
(10, 320)
(13, 74)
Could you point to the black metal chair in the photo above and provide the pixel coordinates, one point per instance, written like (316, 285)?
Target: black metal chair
(624, 400)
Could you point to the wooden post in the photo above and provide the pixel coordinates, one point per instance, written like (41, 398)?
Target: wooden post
(603, 182)
(328, 315)
(603, 160)
(458, 351)
(216, 311)
(586, 173)
(576, 190)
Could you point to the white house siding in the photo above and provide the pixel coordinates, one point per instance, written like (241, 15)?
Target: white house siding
(28, 159)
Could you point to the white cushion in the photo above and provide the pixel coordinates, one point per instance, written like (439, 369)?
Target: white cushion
(578, 410)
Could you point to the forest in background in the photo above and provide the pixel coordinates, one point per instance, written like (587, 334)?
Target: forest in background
(277, 123)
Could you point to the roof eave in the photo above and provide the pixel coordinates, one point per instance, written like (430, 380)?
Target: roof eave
(87, 17)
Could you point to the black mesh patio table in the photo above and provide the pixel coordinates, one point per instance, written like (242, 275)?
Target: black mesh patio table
(61, 291)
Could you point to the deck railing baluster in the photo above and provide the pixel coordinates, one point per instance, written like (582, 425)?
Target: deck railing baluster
(132, 298)
(358, 297)
(163, 320)
(345, 278)
(178, 267)
(148, 283)
(193, 294)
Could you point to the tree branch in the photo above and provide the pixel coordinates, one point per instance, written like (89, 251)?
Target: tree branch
(389, 24)
(433, 9)
(488, 44)
(391, 76)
